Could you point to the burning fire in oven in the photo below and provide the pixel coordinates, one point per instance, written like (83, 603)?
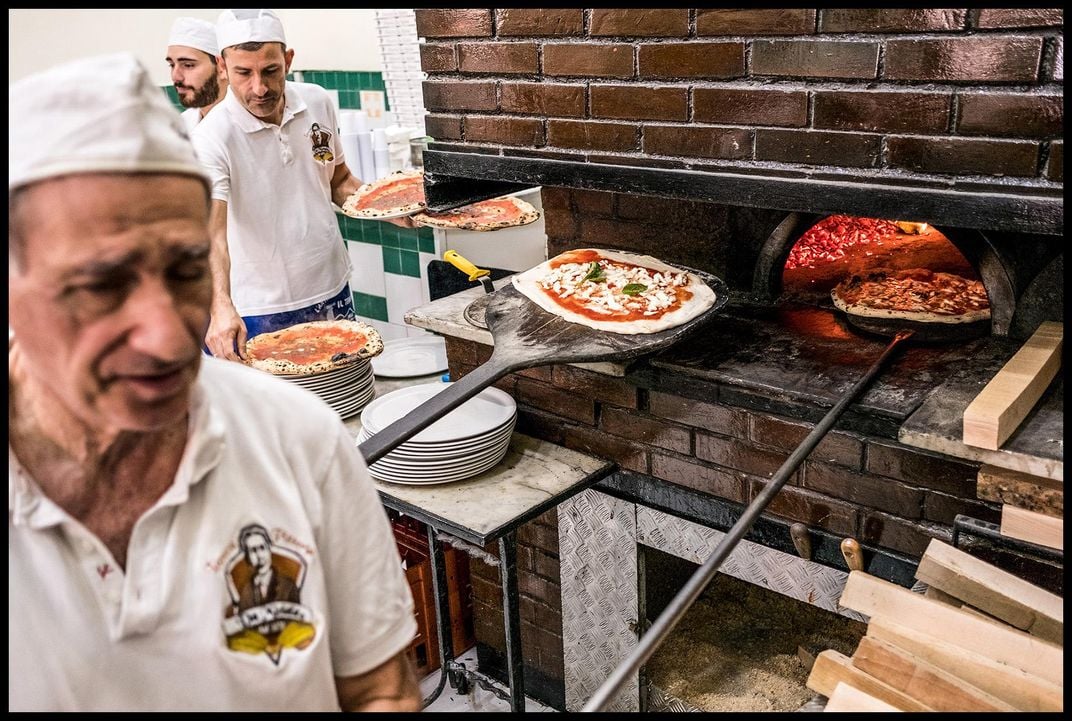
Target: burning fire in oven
(829, 239)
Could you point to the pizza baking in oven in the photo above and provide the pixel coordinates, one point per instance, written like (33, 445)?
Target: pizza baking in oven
(914, 294)
(314, 347)
(398, 194)
(504, 212)
(615, 291)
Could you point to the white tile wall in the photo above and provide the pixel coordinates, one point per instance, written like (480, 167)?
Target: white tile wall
(367, 261)
(403, 293)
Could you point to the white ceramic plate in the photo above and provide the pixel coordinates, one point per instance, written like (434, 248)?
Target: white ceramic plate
(430, 465)
(411, 357)
(460, 474)
(481, 414)
(420, 452)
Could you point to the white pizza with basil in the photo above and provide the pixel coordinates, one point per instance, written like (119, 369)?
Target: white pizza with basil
(616, 291)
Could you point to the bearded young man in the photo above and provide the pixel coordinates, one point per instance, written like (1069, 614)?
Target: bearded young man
(138, 468)
(198, 79)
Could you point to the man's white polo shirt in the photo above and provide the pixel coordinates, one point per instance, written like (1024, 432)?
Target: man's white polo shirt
(172, 631)
(282, 232)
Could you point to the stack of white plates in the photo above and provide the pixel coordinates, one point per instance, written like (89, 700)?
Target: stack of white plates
(466, 442)
(347, 389)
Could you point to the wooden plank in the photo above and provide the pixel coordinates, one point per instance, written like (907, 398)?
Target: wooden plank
(832, 668)
(1033, 527)
(873, 596)
(1010, 395)
(921, 680)
(993, 591)
(1023, 490)
(850, 698)
(1015, 686)
(941, 596)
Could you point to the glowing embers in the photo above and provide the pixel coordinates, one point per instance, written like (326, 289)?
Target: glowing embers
(829, 239)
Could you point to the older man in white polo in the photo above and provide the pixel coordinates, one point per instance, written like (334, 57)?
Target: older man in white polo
(136, 465)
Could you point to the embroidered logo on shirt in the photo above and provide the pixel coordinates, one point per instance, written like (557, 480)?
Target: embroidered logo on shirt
(320, 139)
(264, 580)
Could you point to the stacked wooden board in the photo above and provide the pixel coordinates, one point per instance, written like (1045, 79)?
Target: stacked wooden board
(980, 639)
(1032, 506)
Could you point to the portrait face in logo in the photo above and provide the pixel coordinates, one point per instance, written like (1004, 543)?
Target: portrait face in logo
(257, 547)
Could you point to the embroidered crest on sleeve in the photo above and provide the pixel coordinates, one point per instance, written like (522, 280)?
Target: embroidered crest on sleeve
(264, 581)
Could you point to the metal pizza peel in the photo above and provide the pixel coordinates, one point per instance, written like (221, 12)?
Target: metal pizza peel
(525, 336)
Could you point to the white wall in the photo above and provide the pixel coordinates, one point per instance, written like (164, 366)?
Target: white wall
(322, 39)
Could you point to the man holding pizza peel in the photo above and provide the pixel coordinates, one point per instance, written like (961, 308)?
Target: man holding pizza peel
(184, 533)
(278, 258)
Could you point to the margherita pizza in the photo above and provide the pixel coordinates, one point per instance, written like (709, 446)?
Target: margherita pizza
(915, 294)
(504, 212)
(395, 195)
(615, 291)
(314, 347)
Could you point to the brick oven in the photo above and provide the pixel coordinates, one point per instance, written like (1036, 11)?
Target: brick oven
(714, 138)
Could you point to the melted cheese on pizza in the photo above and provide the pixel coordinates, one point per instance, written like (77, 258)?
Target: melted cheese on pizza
(602, 295)
(915, 290)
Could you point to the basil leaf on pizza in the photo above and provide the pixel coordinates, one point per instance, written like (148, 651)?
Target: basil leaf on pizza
(314, 347)
(505, 212)
(399, 194)
(915, 294)
(615, 291)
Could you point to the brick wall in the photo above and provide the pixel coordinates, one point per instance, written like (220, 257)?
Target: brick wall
(885, 494)
(917, 93)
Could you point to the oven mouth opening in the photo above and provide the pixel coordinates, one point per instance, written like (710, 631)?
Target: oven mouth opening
(807, 255)
(739, 647)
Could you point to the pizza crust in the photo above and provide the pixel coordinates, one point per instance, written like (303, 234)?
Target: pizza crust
(942, 281)
(258, 346)
(702, 296)
(349, 206)
(526, 213)
(919, 316)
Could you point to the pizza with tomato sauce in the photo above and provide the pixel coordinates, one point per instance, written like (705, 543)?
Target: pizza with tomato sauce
(504, 212)
(913, 294)
(615, 291)
(393, 196)
(314, 347)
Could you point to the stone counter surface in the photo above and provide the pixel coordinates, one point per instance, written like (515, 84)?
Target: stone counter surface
(534, 476)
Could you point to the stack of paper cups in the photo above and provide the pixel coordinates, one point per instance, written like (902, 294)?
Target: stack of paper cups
(380, 156)
(352, 151)
(367, 165)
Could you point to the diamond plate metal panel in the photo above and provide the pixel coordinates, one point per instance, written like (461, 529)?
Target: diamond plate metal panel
(598, 555)
(769, 568)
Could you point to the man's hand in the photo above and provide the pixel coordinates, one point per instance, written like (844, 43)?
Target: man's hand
(226, 332)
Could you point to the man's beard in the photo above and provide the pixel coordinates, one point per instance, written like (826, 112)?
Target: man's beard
(205, 95)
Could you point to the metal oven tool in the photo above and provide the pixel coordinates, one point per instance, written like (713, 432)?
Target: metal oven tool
(525, 335)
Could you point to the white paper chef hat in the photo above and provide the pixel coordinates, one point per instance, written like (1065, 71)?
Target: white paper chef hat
(194, 33)
(248, 26)
(98, 114)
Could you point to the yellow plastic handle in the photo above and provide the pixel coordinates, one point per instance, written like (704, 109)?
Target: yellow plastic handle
(452, 257)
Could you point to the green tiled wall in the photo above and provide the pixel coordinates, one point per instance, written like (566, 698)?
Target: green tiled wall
(348, 83)
(400, 246)
(370, 306)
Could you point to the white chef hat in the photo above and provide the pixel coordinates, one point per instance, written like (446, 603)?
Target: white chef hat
(248, 26)
(98, 114)
(194, 33)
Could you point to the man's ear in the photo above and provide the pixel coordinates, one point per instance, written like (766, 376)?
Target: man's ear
(221, 66)
(289, 56)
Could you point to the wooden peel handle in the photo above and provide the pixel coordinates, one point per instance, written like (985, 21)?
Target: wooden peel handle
(854, 555)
